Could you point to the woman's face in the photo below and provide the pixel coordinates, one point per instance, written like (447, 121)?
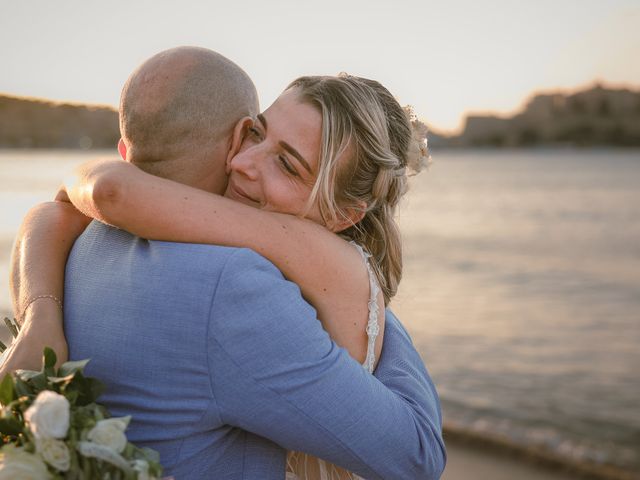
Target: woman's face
(277, 164)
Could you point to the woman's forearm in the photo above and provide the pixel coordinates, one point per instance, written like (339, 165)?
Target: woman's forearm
(40, 252)
(328, 270)
(36, 282)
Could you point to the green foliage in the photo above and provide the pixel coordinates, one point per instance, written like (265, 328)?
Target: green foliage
(19, 391)
(7, 390)
(12, 325)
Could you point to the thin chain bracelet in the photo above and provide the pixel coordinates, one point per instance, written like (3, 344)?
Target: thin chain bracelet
(38, 297)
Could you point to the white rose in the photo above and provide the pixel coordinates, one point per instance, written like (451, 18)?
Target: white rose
(16, 464)
(48, 415)
(141, 467)
(110, 433)
(54, 452)
(94, 450)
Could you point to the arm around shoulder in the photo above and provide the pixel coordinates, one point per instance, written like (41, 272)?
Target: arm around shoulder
(402, 370)
(276, 373)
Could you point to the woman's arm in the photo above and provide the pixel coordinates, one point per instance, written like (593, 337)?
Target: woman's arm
(37, 274)
(329, 271)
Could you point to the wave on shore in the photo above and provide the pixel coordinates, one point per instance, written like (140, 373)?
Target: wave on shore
(563, 456)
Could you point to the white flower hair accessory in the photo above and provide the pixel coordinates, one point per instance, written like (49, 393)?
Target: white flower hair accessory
(418, 155)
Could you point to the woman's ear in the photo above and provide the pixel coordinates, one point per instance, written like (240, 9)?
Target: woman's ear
(239, 132)
(352, 215)
(122, 148)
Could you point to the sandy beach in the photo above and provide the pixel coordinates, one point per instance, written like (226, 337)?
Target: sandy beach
(472, 457)
(466, 462)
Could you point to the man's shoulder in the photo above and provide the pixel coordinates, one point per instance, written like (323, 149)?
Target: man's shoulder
(105, 240)
(255, 304)
(232, 261)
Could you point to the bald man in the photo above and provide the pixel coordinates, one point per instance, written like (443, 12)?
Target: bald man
(178, 111)
(194, 341)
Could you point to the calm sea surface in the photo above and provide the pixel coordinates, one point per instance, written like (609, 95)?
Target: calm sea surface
(521, 289)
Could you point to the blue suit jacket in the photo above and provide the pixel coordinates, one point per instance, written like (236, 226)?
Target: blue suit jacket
(223, 365)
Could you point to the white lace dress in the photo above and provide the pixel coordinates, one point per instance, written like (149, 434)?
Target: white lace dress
(301, 466)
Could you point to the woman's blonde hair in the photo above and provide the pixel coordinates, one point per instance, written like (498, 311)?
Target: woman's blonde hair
(364, 160)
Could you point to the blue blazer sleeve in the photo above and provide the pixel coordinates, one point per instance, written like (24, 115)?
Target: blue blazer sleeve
(275, 372)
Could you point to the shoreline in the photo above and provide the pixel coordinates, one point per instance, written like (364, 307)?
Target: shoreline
(469, 451)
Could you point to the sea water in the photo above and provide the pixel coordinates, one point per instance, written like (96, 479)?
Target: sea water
(521, 288)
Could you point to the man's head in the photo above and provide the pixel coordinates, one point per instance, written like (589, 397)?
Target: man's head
(178, 111)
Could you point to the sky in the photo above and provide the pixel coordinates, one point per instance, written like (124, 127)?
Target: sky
(445, 58)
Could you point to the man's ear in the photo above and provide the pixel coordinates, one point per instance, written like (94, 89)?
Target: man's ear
(239, 132)
(352, 216)
(122, 148)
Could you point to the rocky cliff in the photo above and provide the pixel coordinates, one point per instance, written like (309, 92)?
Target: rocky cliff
(596, 116)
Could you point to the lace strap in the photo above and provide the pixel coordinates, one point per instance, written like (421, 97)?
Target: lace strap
(373, 328)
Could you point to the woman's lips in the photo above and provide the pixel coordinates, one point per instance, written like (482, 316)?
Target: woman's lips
(239, 194)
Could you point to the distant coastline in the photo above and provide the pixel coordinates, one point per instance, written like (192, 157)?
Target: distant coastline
(596, 116)
(27, 123)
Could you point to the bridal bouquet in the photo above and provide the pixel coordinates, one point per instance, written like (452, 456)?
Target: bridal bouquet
(52, 428)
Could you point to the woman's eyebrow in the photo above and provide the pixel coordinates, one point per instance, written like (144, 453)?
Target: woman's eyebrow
(288, 147)
(296, 154)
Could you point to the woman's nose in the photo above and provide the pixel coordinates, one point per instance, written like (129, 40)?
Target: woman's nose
(245, 164)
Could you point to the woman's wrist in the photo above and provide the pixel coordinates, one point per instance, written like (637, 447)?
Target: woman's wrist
(39, 298)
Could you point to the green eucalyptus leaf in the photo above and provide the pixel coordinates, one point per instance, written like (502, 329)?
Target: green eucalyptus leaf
(89, 388)
(49, 358)
(38, 382)
(83, 386)
(13, 327)
(7, 390)
(10, 426)
(95, 388)
(69, 368)
(22, 388)
(72, 397)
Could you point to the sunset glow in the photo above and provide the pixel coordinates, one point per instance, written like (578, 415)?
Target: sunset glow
(445, 58)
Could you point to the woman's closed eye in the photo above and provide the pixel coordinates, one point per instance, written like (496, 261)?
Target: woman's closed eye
(286, 164)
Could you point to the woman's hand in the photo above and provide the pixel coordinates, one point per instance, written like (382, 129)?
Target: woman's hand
(42, 327)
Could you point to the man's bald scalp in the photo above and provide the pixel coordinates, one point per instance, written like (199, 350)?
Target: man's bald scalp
(180, 104)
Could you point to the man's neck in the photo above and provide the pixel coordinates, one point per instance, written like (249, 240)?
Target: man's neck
(182, 170)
